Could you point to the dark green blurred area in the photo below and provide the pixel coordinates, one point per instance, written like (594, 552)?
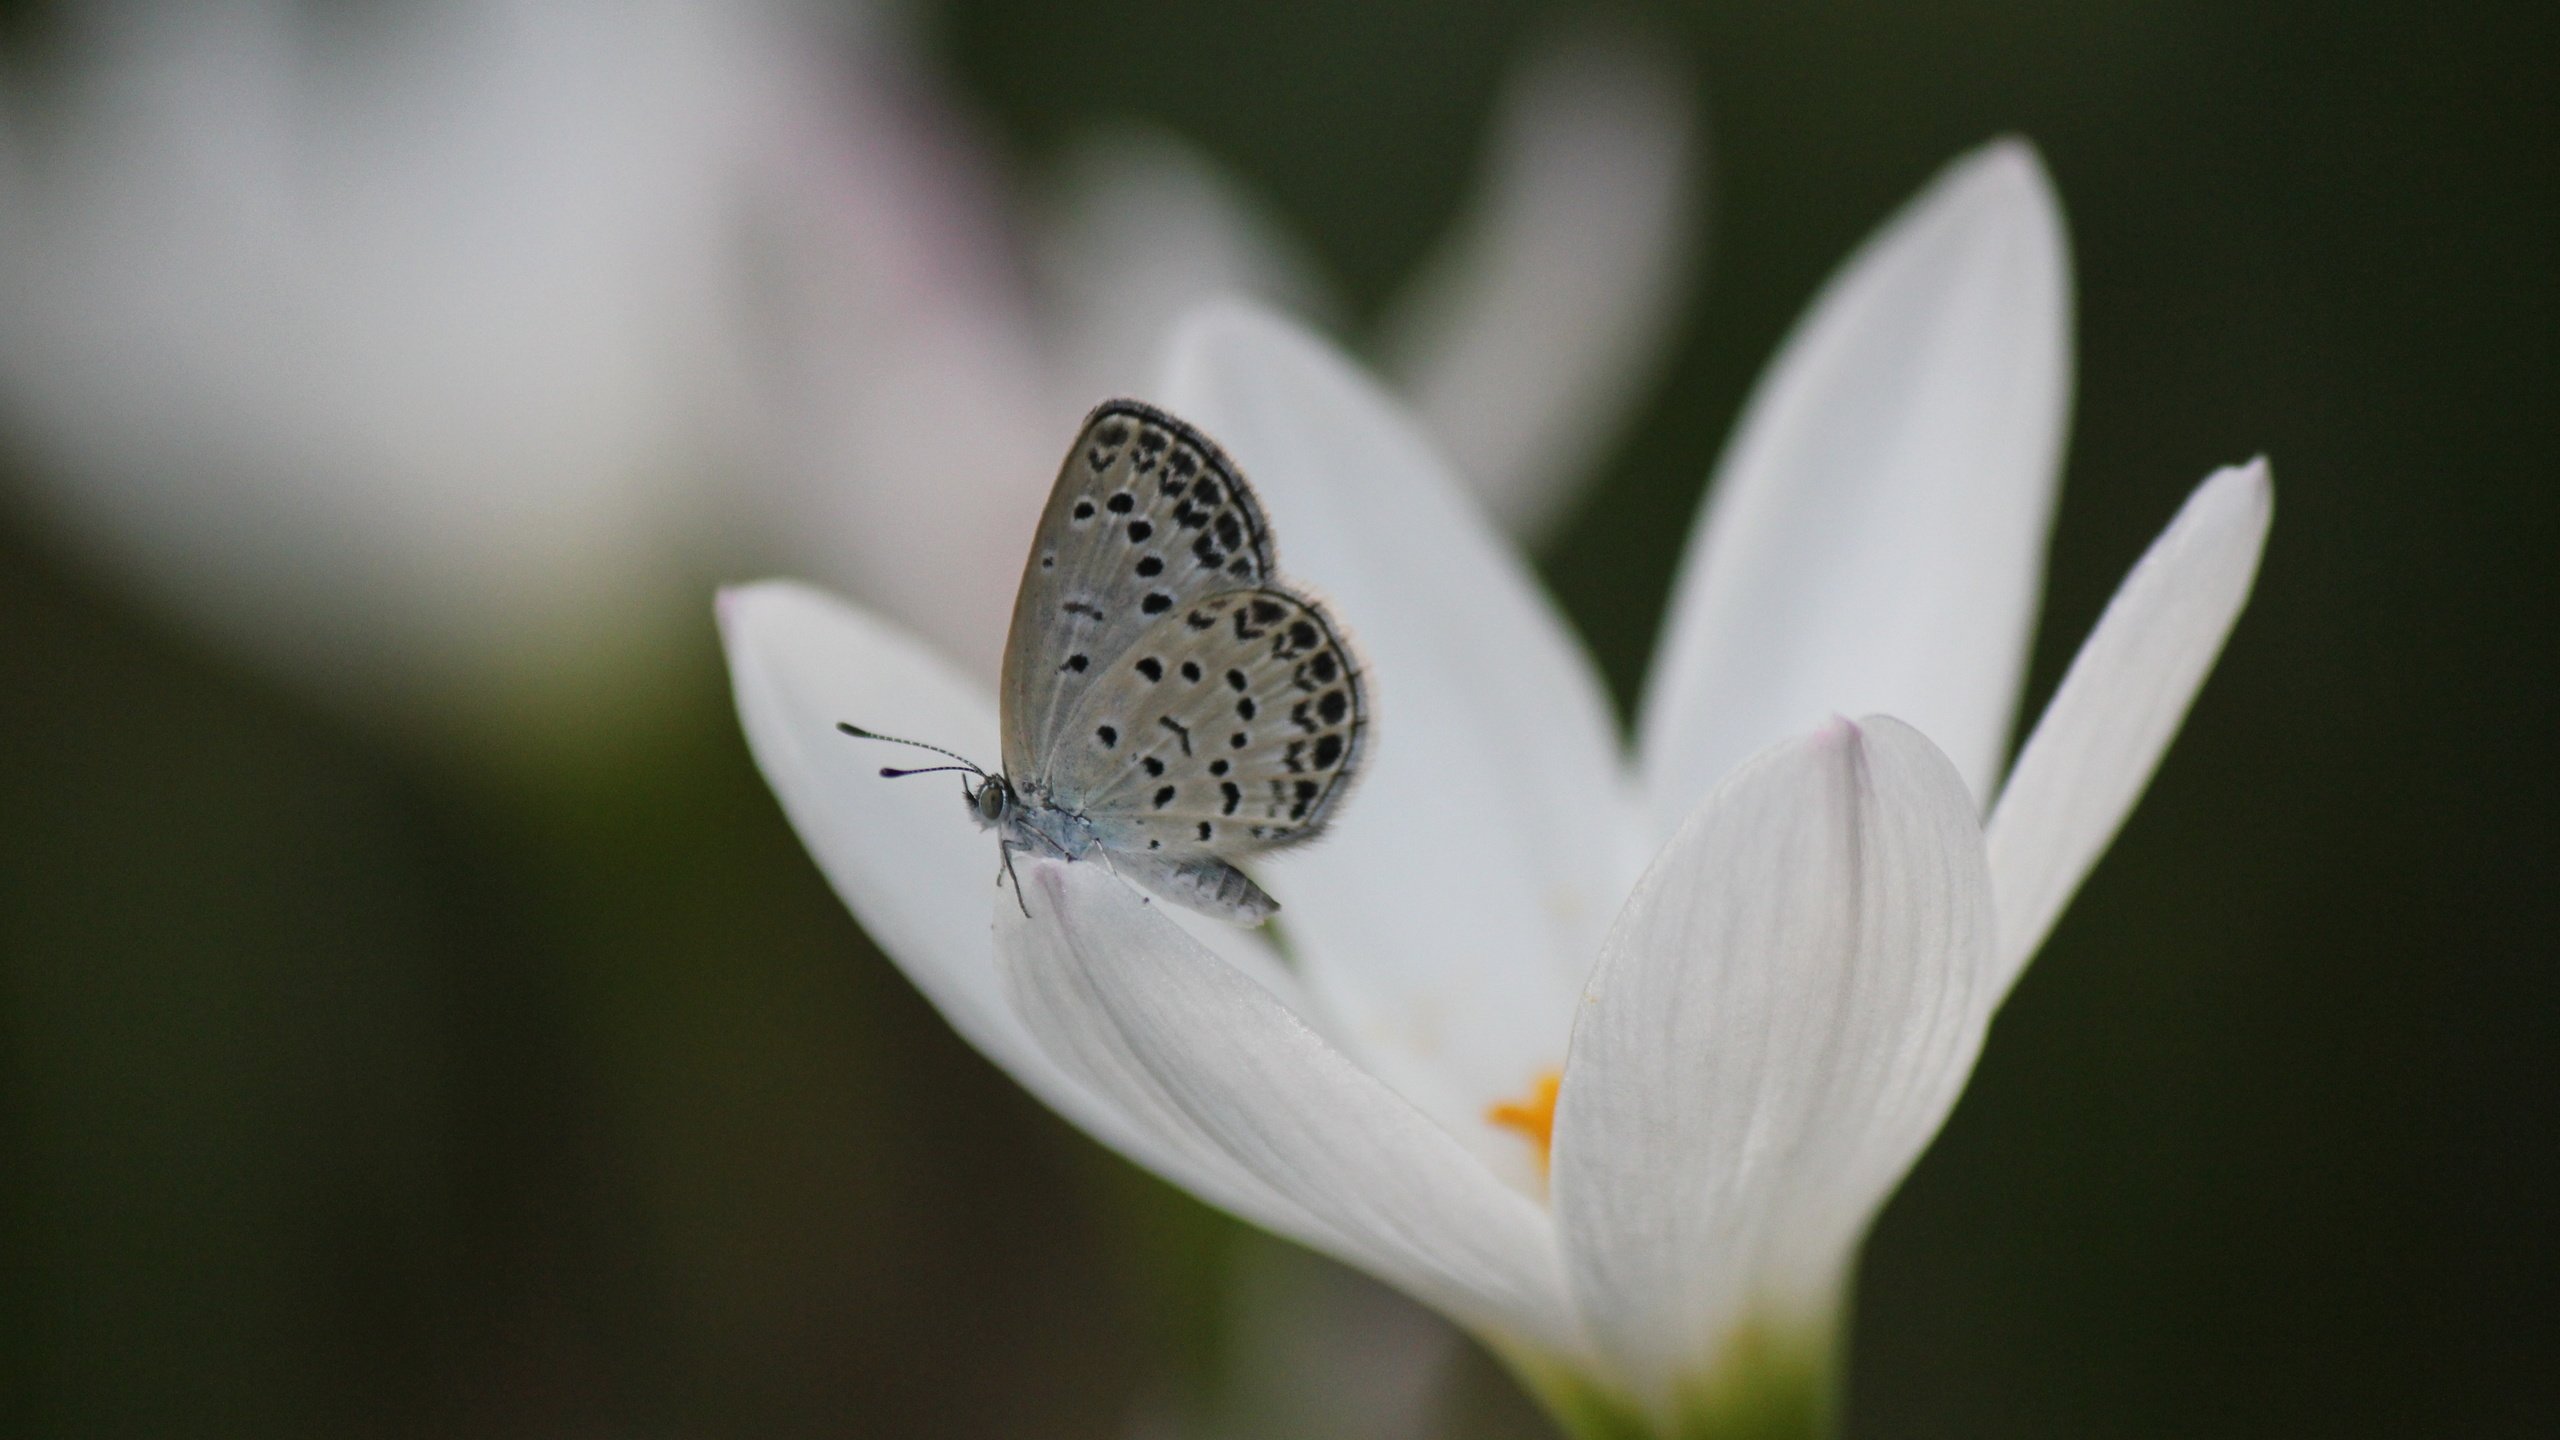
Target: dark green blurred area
(349, 1091)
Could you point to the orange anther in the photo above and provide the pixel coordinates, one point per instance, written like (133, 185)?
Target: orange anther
(1534, 1115)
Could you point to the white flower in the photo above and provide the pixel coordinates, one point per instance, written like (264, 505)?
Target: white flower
(1751, 966)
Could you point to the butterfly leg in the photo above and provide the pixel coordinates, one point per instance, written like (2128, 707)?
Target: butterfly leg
(1004, 849)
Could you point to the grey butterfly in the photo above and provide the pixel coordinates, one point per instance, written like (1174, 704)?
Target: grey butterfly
(1170, 705)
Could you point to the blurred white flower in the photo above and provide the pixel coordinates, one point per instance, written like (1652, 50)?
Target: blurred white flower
(1737, 981)
(389, 349)
(430, 353)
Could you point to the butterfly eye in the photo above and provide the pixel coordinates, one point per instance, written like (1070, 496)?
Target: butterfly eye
(989, 801)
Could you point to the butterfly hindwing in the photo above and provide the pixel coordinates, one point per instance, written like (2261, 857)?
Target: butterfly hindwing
(1147, 517)
(1232, 725)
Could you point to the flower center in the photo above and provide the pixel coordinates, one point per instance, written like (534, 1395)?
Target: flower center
(1533, 1115)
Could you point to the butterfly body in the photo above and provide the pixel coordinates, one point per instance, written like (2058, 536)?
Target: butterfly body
(1030, 823)
(1170, 704)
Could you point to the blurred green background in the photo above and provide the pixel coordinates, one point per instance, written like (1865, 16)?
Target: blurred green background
(355, 1087)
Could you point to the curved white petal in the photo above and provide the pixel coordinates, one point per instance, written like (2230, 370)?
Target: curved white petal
(1142, 228)
(1778, 1025)
(1448, 915)
(903, 854)
(2117, 708)
(1530, 332)
(1136, 1009)
(1875, 538)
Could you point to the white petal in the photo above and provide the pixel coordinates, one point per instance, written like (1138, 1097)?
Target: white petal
(903, 853)
(1778, 1024)
(1875, 538)
(2123, 698)
(1448, 916)
(1128, 1003)
(1533, 328)
(1143, 228)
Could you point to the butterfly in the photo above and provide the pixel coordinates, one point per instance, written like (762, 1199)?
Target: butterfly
(1169, 704)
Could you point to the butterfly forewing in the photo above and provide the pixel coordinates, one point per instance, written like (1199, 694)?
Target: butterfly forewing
(1147, 517)
(1233, 725)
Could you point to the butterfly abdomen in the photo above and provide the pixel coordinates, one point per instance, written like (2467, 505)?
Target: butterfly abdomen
(1211, 886)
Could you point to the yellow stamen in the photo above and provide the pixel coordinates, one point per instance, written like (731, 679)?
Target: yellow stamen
(1533, 1116)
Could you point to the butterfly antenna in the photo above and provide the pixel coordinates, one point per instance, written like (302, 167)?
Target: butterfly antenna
(967, 764)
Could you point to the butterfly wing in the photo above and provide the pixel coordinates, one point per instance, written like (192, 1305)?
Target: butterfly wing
(1232, 726)
(1148, 516)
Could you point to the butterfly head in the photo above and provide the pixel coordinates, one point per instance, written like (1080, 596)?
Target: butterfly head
(991, 801)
